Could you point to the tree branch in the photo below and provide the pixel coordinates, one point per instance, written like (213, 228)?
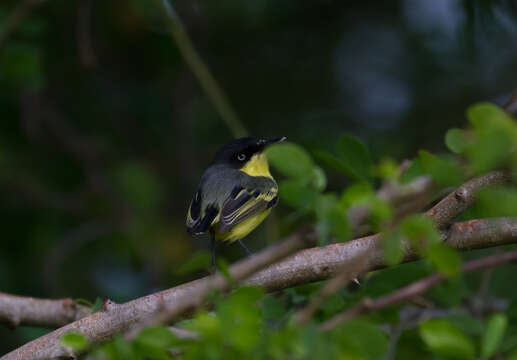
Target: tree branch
(305, 266)
(21, 310)
(120, 318)
(450, 207)
(416, 288)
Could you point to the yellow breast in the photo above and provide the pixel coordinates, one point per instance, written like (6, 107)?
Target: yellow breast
(242, 229)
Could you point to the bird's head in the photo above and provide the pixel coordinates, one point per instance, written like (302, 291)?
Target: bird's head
(247, 155)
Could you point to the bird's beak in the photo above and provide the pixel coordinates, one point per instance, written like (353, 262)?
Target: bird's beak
(274, 141)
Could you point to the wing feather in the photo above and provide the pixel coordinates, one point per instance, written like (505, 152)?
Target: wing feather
(244, 204)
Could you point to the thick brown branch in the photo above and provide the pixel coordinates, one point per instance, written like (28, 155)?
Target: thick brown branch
(305, 266)
(21, 310)
(119, 318)
(450, 207)
(414, 289)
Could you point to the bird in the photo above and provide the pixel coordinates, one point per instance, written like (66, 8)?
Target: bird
(235, 193)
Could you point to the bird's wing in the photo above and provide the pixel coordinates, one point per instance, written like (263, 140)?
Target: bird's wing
(196, 222)
(245, 202)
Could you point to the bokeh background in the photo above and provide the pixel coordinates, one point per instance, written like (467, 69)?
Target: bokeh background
(104, 130)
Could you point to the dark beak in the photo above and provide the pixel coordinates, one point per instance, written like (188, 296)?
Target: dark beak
(274, 141)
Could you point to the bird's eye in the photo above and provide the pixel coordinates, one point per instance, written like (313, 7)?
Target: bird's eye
(241, 157)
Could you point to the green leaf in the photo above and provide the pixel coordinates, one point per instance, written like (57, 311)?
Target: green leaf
(97, 305)
(456, 140)
(420, 230)
(291, 160)
(467, 323)
(157, 336)
(388, 169)
(493, 335)
(21, 64)
(338, 222)
(366, 338)
(445, 259)
(354, 154)
(414, 171)
(487, 116)
(240, 318)
(319, 179)
(297, 194)
(495, 137)
(445, 339)
(334, 163)
(199, 261)
(393, 252)
(273, 308)
(497, 202)
(443, 172)
(357, 194)
(75, 341)
(224, 268)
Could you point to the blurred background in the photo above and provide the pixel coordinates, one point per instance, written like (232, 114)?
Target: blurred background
(105, 131)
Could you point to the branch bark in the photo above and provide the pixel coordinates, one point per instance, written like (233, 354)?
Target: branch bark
(414, 289)
(21, 310)
(305, 266)
(450, 207)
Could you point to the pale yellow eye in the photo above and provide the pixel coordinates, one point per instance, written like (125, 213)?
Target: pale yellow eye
(241, 157)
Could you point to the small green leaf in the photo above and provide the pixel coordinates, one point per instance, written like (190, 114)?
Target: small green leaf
(357, 194)
(97, 305)
(159, 337)
(497, 201)
(388, 169)
(363, 336)
(493, 335)
(356, 156)
(319, 179)
(273, 308)
(199, 261)
(414, 171)
(443, 172)
(224, 268)
(334, 163)
(486, 116)
(21, 64)
(495, 137)
(445, 339)
(297, 194)
(444, 258)
(420, 230)
(337, 219)
(456, 140)
(393, 252)
(291, 160)
(75, 341)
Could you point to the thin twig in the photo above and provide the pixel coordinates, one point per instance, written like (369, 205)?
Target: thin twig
(416, 288)
(200, 70)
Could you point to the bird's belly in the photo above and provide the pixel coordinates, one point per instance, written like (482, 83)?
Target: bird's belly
(242, 229)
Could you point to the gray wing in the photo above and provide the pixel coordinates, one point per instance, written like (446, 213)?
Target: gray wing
(251, 197)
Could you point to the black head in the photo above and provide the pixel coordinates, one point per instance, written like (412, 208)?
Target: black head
(239, 151)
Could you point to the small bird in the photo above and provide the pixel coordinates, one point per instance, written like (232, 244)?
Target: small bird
(235, 193)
